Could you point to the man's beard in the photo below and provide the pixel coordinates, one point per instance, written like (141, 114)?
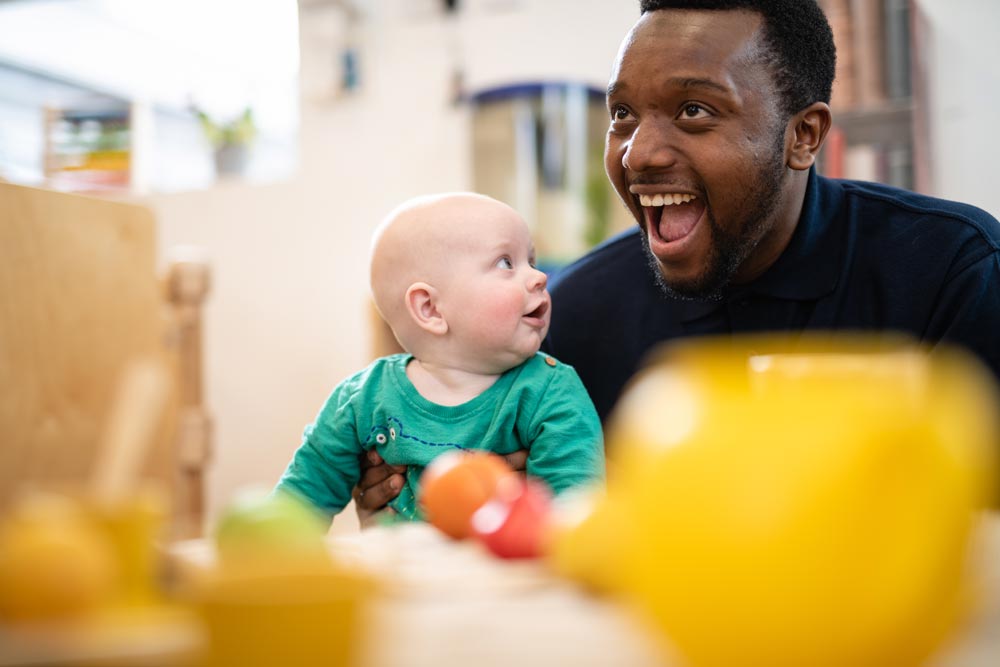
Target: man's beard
(729, 249)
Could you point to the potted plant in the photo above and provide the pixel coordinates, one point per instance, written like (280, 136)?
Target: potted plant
(231, 140)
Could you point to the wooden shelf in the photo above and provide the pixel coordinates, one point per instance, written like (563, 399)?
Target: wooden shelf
(889, 124)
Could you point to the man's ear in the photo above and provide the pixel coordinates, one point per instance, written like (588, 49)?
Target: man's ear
(421, 303)
(809, 129)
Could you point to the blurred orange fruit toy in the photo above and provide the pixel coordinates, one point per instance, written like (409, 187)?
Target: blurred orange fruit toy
(54, 562)
(458, 483)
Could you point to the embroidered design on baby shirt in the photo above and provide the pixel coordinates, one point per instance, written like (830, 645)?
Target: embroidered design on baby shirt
(383, 433)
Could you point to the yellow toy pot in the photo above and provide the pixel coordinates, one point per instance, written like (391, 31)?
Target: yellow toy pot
(810, 502)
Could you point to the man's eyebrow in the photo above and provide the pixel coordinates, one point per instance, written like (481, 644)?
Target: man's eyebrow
(690, 82)
(680, 82)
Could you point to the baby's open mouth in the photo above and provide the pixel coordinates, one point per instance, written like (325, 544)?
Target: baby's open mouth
(540, 311)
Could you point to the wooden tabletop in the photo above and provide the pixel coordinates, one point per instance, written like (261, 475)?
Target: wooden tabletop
(445, 603)
(451, 603)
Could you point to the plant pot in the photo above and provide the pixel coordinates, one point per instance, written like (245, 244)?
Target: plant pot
(231, 159)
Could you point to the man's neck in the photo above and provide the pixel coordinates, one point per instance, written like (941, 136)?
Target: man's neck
(787, 214)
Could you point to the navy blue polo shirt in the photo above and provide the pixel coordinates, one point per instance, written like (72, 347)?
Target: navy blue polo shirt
(863, 257)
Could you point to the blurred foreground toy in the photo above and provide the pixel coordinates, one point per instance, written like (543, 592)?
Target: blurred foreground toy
(55, 563)
(514, 523)
(275, 596)
(458, 483)
(306, 617)
(474, 494)
(814, 507)
(66, 555)
(259, 529)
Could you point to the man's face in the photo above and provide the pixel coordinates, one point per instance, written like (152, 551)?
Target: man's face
(696, 147)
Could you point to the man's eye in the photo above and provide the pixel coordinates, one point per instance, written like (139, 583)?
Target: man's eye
(505, 263)
(618, 112)
(693, 111)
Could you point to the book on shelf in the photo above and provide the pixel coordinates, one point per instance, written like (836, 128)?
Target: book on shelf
(868, 52)
(838, 14)
(872, 137)
(896, 70)
(832, 155)
(889, 163)
(873, 51)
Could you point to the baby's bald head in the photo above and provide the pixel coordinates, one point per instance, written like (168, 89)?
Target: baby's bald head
(414, 244)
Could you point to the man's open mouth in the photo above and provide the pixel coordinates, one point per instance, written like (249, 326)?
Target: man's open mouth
(670, 216)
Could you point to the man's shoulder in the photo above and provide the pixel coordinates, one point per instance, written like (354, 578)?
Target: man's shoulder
(888, 206)
(603, 268)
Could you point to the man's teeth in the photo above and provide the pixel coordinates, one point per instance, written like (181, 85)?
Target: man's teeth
(665, 200)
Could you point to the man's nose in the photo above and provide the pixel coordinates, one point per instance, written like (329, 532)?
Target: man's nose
(649, 147)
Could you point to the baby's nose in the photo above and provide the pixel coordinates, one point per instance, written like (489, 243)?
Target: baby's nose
(537, 280)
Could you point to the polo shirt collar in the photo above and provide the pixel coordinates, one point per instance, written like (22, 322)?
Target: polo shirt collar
(808, 268)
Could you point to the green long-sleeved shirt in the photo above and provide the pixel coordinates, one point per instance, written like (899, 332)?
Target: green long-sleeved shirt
(540, 405)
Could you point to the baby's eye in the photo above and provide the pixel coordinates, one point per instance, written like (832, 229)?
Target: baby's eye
(505, 263)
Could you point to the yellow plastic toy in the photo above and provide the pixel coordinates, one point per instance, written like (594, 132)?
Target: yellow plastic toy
(275, 595)
(809, 502)
(55, 563)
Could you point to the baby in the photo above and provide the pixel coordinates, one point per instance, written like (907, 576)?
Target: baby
(454, 276)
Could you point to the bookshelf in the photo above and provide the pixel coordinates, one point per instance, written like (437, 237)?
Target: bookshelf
(67, 135)
(873, 136)
(89, 149)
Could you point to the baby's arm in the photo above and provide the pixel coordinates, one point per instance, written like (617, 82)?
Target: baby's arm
(566, 447)
(325, 466)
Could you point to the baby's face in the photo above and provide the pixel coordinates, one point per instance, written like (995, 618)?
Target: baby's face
(495, 300)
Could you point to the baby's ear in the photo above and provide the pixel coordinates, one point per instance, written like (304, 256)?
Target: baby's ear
(421, 303)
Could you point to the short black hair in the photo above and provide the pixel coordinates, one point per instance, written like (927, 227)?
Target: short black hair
(798, 39)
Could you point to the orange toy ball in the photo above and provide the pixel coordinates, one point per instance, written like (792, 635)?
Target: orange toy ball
(455, 485)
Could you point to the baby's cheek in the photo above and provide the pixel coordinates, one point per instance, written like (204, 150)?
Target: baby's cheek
(501, 313)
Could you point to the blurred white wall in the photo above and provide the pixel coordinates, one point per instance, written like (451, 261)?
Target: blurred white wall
(287, 316)
(959, 54)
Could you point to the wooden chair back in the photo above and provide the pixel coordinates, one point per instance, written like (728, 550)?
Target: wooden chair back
(80, 300)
